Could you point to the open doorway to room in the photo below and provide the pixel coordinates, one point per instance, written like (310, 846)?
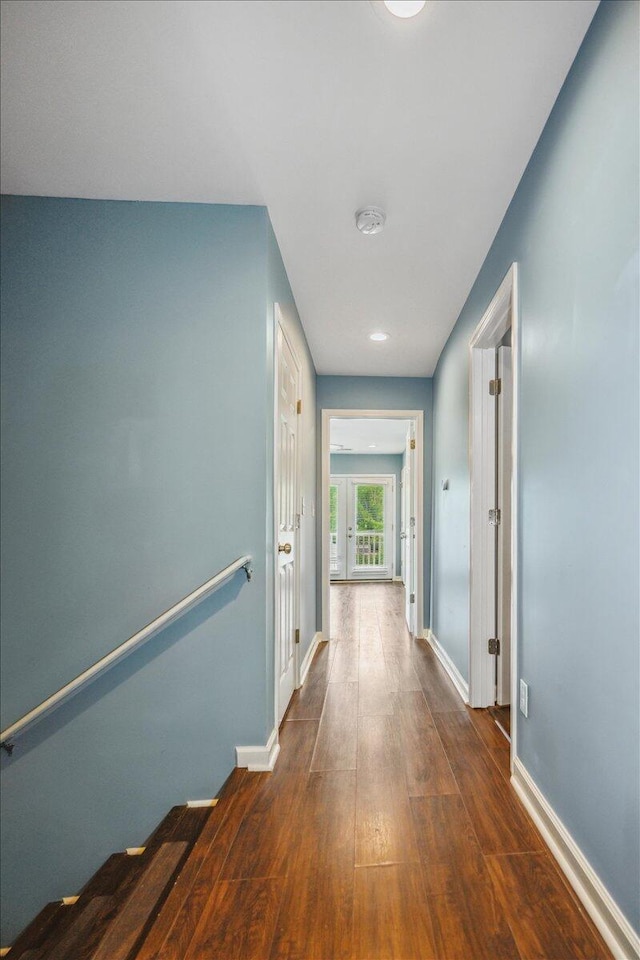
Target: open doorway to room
(493, 423)
(371, 505)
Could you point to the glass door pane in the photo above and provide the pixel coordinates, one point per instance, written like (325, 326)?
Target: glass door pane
(333, 529)
(369, 525)
(370, 528)
(337, 528)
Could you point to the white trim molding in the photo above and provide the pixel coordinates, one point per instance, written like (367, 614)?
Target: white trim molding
(616, 930)
(259, 759)
(454, 674)
(308, 657)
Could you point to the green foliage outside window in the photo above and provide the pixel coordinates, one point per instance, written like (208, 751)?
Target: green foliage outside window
(369, 507)
(333, 509)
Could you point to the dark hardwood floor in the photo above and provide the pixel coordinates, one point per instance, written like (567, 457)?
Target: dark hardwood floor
(388, 829)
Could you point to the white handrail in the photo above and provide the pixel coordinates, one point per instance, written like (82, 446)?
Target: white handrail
(177, 610)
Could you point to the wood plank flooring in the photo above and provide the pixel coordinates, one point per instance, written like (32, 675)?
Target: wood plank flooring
(388, 830)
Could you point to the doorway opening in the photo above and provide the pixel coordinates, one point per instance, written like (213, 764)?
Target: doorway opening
(372, 504)
(493, 466)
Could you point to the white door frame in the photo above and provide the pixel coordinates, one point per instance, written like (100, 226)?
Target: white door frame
(501, 314)
(279, 326)
(326, 417)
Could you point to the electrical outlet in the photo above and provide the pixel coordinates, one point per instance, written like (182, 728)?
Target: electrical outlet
(524, 698)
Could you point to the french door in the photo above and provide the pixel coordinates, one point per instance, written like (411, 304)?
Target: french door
(361, 527)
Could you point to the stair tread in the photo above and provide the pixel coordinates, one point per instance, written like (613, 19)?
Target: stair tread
(86, 921)
(116, 878)
(133, 916)
(109, 877)
(35, 933)
(174, 919)
(166, 828)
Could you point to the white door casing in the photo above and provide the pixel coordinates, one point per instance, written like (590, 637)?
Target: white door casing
(288, 383)
(505, 401)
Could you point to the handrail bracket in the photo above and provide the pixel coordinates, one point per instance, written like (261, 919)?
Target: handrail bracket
(9, 747)
(248, 569)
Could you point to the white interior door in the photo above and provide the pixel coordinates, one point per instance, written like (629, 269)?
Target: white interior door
(410, 542)
(503, 580)
(288, 393)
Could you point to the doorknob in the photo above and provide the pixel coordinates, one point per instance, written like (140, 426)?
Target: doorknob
(284, 548)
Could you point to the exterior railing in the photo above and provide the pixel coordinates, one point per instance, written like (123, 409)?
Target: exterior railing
(369, 548)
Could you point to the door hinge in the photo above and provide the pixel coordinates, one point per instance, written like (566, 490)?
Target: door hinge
(412, 444)
(297, 635)
(493, 645)
(495, 517)
(299, 406)
(412, 598)
(495, 387)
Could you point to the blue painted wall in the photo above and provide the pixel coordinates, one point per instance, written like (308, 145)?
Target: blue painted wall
(573, 228)
(386, 393)
(137, 357)
(343, 464)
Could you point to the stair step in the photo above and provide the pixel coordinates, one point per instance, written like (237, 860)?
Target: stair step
(174, 921)
(131, 920)
(86, 922)
(33, 936)
(166, 828)
(116, 878)
(110, 877)
(181, 823)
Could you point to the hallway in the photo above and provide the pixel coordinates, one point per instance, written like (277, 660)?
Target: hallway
(388, 828)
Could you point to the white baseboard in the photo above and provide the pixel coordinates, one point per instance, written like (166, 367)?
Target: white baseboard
(308, 657)
(455, 676)
(257, 759)
(616, 930)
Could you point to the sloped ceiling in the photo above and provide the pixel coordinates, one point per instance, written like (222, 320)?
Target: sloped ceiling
(314, 108)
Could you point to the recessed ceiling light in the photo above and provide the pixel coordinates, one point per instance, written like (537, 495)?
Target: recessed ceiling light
(378, 337)
(404, 8)
(372, 446)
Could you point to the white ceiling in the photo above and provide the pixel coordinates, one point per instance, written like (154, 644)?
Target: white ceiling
(314, 108)
(357, 436)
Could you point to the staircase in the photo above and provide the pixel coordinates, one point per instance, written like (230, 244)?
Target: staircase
(127, 909)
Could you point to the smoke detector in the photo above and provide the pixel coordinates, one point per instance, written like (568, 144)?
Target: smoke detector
(370, 220)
